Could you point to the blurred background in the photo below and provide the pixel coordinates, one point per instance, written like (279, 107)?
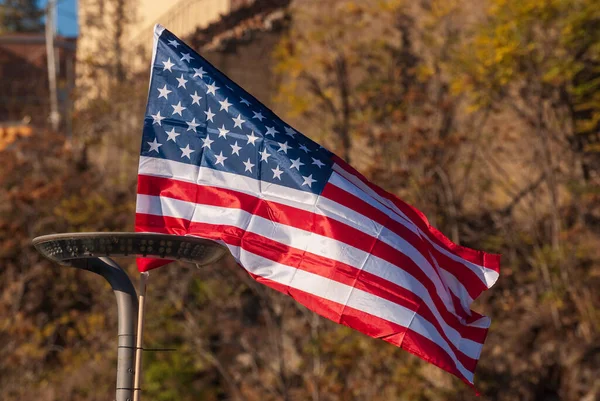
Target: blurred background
(484, 114)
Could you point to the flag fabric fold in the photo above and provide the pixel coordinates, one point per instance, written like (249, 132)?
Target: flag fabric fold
(216, 163)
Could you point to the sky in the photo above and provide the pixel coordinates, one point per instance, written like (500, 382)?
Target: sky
(66, 16)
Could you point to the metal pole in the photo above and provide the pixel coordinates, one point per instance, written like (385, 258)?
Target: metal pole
(50, 32)
(126, 306)
(140, 334)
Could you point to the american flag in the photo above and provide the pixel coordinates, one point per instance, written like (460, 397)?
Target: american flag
(216, 163)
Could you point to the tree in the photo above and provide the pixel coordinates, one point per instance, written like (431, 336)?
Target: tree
(21, 16)
(541, 59)
(372, 74)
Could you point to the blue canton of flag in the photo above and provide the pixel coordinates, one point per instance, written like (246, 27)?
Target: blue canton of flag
(197, 115)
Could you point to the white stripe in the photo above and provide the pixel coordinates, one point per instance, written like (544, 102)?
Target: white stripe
(483, 322)
(345, 295)
(158, 30)
(314, 204)
(343, 183)
(304, 240)
(221, 179)
(455, 285)
(486, 275)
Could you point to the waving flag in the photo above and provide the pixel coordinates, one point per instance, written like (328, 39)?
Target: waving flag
(216, 163)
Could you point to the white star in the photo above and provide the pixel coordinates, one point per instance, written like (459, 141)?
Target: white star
(220, 159)
(252, 138)
(172, 135)
(244, 101)
(304, 148)
(168, 65)
(164, 92)
(277, 173)
(209, 115)
(186, 57)
(196, 98)
(207, 141)
(290, 131)
(235, 149)
(177, 108)
(264, 155)
(223, 132)
(192, 125)
(154, 145)
(182, 81)
(296, 164)
(308, 180)
(186, 152)
(199, 72)
(271, 131)
(173, 43)
(284, 147)
(225, 105)
(248, 165)
(212, 88)
(258, 115)
(238, 121)
(317, 162)
(157, 118)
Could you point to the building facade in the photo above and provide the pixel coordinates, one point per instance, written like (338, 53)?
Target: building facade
(24, 93)
(115, 36)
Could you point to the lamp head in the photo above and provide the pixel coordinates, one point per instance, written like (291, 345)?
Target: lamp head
(63, 248)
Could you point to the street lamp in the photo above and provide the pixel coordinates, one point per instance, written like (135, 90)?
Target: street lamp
(92, 251)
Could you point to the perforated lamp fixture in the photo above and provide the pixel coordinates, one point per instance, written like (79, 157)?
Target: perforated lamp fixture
(64, 248)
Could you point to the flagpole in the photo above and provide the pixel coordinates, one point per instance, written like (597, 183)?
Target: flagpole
(140, 332)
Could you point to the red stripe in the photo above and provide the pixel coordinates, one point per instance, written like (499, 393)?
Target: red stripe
(146, 264)
(306, 261)
(470, 280)
(491, 261)
(157, 186)
(366, 323)
(424, 348)
(373, 326)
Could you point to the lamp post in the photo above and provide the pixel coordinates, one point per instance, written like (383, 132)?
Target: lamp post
(92, 251)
